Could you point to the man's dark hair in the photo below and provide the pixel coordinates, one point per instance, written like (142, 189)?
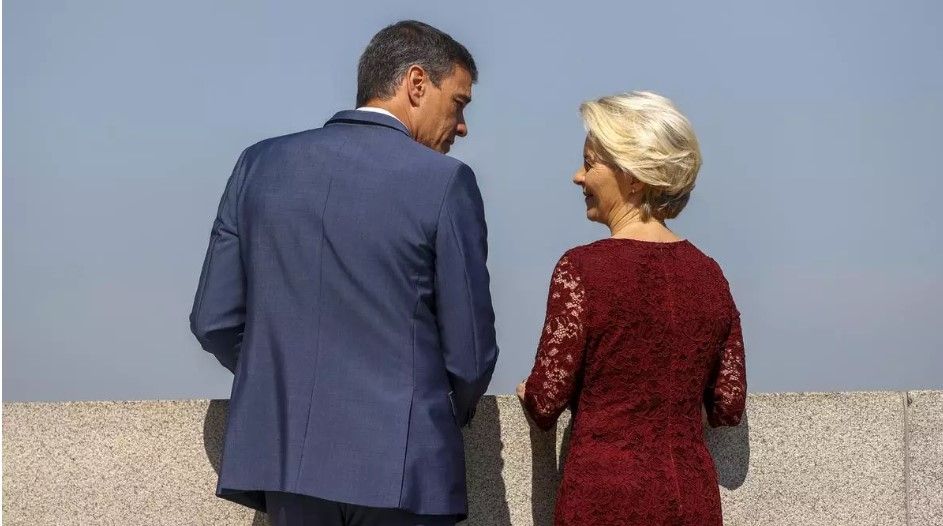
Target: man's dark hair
(397, 47)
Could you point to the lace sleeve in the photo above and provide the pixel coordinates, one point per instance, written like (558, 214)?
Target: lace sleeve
(552, 382)
(725, 398)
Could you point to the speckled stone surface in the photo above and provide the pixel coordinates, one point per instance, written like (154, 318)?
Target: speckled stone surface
(513, 468)
(814, 459)
(121, 463)
(798, 459)
(925, 453)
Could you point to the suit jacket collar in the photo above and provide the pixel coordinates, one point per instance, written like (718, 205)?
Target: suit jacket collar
(369, 118)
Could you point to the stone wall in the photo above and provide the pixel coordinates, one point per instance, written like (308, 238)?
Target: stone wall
(864, 458)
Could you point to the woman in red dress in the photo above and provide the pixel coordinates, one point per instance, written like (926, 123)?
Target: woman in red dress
(642, 338)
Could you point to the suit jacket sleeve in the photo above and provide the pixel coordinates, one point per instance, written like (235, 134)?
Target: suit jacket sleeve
(218, 316)
(463, 299)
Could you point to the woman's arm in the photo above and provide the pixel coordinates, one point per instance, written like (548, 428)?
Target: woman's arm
(725, 397)
(552, 382)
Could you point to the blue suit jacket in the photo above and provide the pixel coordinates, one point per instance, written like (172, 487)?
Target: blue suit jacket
(345, 287)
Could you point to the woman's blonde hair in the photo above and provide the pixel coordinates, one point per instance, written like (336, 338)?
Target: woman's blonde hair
(643, 134)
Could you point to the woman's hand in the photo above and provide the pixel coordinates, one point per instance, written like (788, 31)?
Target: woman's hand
(521, 391)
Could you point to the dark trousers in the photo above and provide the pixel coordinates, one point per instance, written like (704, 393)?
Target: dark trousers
(289, 509)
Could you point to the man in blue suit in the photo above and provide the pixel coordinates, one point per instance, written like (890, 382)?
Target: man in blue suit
(345, 287)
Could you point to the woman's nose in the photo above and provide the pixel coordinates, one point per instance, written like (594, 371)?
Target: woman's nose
(579, 178)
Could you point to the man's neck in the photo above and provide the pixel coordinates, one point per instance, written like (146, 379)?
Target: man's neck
(386, 108)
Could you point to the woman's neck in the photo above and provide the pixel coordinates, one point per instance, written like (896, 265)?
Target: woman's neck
(630, 225)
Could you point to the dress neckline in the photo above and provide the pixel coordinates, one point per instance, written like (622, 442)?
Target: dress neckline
(642, 242)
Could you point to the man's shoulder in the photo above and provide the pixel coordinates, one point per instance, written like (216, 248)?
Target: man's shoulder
(420, 155)
(282, 141)
(400, 153)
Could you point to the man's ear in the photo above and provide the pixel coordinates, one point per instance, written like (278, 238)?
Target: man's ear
(417, 82)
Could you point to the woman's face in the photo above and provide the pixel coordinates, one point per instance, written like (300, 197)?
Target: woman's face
(607, 191)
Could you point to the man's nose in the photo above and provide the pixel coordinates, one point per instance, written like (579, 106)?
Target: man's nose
(461, 129)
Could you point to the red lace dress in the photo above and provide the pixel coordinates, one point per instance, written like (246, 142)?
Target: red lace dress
(638, 336)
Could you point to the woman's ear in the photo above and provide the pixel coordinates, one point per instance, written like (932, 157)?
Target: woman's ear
(633, 185)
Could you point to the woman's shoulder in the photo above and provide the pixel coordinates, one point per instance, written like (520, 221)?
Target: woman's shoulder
(706, 259)
(710, 267)
(580, 253)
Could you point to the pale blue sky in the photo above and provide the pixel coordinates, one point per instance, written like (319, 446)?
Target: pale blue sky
(820, 124)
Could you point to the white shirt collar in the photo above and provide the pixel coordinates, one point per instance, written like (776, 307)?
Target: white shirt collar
(374, 109)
